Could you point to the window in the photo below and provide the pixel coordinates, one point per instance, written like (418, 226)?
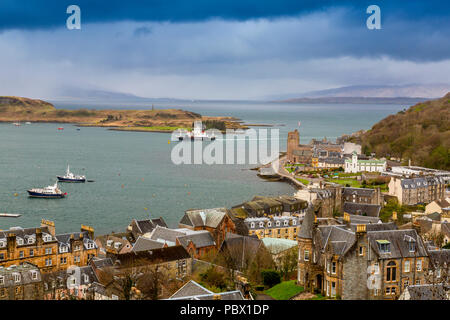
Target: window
(63, 260)
(391, 271)
(261, 224)
(34, 275)
(48, 262)
(90, 245)
(2, 280)
(417, 281)
(77, 248)
(2, 244)
(269, 224)
(405, 283)
(328, 266)
(110, 242)
(31, 252)
(63, 249)
(30, 240)
(48, 250)
(21, 254)
(19, 241)
(2, 256)
(412, 246)
(76, 259)
(407, 266)
(384, 246)
(285, 222)
(278, 223)
(419, 265)
(47, 238)
(294, 222)
(86, 278)
(306, 255)
(390, 290)
(333, 267)
(16, 277)
(361, 250)
(333, 289)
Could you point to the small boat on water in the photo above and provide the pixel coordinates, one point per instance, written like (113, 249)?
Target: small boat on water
(27, 122)
(17, 124)
(49, 192)
(60, 128)
(70, 177)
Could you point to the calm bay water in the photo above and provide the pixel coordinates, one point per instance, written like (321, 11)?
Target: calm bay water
(134, 176)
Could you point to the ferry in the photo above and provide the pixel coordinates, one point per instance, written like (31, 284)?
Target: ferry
(50, 192)
(197, 133)
(70, 177)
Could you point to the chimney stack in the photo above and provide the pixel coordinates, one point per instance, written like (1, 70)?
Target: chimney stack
(394, 216)
(360, 229)
(217, 297)
(50, 226)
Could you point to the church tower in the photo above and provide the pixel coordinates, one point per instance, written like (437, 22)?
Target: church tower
(293, 142)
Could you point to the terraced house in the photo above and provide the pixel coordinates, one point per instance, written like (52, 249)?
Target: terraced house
(46, 250)
(360, 261)
(22, 282)
(284, 227)
(415, 190)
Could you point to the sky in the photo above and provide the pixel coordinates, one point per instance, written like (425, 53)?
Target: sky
(203, 49)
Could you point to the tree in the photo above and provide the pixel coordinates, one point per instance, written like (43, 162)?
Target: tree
(270, 277)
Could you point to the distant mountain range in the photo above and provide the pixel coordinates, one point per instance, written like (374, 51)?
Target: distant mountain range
(411, 93)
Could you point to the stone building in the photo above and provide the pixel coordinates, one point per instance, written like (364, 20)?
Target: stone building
(416, 190)
(217, 221)
(328, 198)
(283, 227)
(297, 153)
(362, 261)
(45, 249)
(362, 195)
(21, 282)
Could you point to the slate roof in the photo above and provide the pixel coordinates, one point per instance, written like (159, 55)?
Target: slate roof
(101, 262)
(443, 203)
(361, 192)
(339, 238)
(305, 231)
(25, 234)
(372, 210)
(242, 248)
(165, 235)
(124, 243)
(434, 216)
(200, 239)
(25, 270)
(190, 288)
(204, 217)
(363, 219)
(420, 182)
(376, 226)
(445, 228)
(398, 243)
(439, 257)
(140, 227)
(145, 244)
(428, 292)
(159, 255)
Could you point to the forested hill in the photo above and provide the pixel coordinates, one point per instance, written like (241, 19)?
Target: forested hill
(420, 133)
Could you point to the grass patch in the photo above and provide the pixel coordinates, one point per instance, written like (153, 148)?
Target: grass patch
(352, 182)
(284, 290)
(319, 297)
(304, 181)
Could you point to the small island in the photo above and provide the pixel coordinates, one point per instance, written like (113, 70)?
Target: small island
(19, 109)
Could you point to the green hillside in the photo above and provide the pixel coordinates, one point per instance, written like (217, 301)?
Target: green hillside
(420, 133)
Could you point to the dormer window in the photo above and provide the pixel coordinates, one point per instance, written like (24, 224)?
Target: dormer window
(252, 225)
(269, 224)
(411, 243)
(2, 244)
(34, 275)
(261, 224)
(384, 246)
(47, 238)
(110, 242)
(63, 249)
(2, 280)
(16, 277)
(30, 240)
(294, 222)
(19, 241)
(117, 245)
(86, 278)
(278, 223)
(285, 222)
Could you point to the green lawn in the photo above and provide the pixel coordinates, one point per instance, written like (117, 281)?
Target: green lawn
(304, 181)
(352, 182)
(319, 297)
(284, 290)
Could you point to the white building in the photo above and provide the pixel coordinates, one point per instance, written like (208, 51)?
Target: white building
(354, 165)
(350, 147)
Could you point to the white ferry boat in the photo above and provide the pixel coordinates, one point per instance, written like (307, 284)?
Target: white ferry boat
(197, 133)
